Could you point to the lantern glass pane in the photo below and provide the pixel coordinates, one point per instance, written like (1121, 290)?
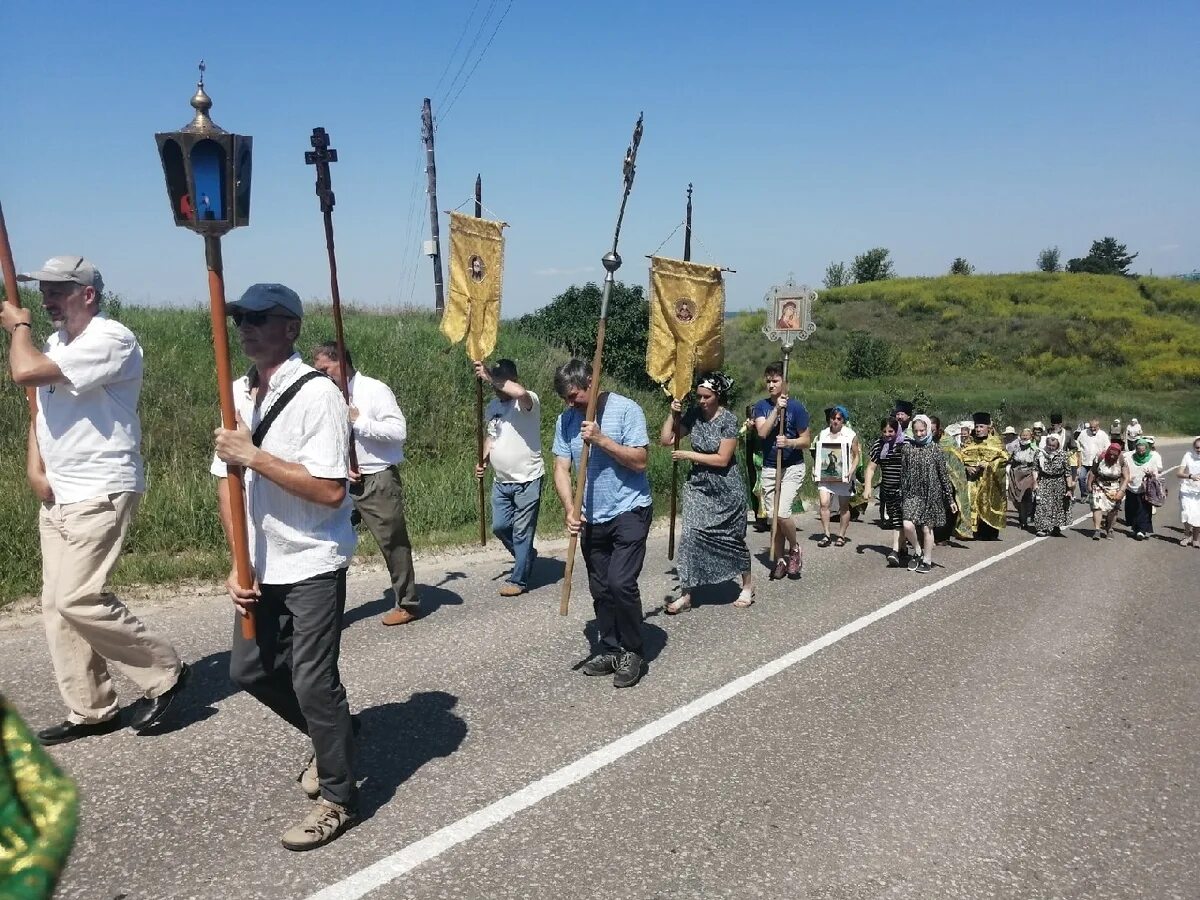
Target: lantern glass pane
(242, 190)
(182, 207)
(209, 172)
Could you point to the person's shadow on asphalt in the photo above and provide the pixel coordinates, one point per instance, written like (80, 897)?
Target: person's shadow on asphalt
(398, 738)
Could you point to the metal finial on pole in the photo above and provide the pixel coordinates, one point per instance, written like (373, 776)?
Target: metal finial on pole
(611, 262)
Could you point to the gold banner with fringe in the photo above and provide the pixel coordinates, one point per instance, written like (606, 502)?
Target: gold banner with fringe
(476, 277)
(687, 321)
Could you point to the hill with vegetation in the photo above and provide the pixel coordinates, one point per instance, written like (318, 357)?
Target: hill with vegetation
(1021, 346)
(176, 533)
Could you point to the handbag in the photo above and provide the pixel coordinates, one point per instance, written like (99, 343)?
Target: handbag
(1155, 490)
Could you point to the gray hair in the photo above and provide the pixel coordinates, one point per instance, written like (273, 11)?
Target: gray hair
(574, 373)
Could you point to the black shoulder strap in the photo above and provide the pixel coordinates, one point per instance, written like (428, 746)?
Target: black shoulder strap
(277, 407)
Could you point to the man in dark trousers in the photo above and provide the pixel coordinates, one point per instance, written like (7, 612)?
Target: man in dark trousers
(615, 518)
(292, 441)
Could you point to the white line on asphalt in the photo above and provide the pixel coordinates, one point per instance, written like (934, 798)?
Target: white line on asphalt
(431, 846)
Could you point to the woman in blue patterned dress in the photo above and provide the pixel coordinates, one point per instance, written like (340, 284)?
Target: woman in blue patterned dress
(712, 547)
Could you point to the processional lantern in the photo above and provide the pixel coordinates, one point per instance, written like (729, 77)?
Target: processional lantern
(207, 170)
(208, 185)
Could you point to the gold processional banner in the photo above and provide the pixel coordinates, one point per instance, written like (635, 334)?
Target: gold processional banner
(476, 277)
(687, 318)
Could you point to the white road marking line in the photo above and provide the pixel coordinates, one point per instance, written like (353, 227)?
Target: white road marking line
(431, 846)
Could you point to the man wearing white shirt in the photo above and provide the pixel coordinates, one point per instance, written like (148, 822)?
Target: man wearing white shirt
(84, 463)
(293, 442)
(514, 448)
(379, 435)
(1093, 442)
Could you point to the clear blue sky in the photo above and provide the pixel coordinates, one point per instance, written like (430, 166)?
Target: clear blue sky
(812, 131)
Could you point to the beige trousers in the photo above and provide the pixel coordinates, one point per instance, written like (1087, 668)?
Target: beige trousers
(87, 626)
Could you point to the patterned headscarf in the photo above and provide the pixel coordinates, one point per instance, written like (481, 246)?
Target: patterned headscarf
(717, 382)
(928, 430)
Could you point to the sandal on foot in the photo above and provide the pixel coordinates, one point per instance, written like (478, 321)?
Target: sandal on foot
(744, 599)
(825, 541)
(839, 541)
(678, 605)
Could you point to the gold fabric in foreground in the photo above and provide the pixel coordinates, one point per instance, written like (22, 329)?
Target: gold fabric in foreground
(687, 319)
(476, 277)
(38, 812)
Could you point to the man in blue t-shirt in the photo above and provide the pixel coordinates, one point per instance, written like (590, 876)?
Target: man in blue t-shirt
(796, 438)
(615, 518)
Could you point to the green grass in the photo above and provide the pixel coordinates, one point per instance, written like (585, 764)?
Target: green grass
(1020, 346)
(176, 534)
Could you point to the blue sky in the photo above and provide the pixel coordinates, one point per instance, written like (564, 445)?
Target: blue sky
(812, 131)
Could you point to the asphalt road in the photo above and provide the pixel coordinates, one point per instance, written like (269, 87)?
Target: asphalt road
(1029, 729)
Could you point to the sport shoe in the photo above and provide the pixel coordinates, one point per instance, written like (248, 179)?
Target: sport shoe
(604, 664)
(1141, 536)
(914, 563)
(795, 561)
(780, 570)
(324, 822)
(629, 671)
(923, 568)
(309, 782)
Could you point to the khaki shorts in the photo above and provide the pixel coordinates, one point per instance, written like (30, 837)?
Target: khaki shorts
(793, 478)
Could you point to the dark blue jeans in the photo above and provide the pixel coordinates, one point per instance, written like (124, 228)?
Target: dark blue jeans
(514, 520)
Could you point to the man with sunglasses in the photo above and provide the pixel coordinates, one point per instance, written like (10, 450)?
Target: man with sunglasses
(84, 463)
(292, 441)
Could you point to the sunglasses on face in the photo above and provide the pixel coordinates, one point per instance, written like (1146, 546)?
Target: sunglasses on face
(253, 319)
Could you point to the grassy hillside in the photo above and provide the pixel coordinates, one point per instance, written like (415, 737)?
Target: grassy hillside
(1020, 346)
(176, 533)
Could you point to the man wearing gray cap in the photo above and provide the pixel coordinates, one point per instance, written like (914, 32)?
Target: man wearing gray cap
(292, 441)
(84, 462)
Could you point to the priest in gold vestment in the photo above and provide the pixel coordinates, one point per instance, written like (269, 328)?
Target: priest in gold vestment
(984, 460)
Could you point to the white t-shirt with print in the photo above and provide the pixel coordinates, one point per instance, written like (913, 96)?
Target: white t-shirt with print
(88, 429)
(516, 436)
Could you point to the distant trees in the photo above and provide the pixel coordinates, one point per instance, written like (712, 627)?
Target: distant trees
(961, 267)
(1049, 260)
(874, 265)
(868, 357)
(836, 275)
(1107, 257)
(569, 321)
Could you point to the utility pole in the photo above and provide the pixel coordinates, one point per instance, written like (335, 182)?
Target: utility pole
(434, 247)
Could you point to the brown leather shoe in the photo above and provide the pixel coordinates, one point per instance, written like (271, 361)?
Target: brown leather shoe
(398, 616)
(511, 590)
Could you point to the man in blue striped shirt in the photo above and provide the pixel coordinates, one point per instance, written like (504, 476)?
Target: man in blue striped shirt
(615, 518)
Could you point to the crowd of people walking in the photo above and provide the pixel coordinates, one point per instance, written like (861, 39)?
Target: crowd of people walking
(314, 461)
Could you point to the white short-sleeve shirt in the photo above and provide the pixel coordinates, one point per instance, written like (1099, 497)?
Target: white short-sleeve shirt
(292, 539)
(516, 434)
(88, 429)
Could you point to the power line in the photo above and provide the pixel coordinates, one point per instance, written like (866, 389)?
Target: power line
(482, 53)
(457, 44)
(467, 56)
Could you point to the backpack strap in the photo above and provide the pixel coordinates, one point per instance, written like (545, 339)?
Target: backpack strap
(277, 407)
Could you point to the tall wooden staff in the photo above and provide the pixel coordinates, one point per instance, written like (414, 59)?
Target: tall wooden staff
(779, 328)
(611, 262)
(203, 161)
(675, 417)
(479, 402)
(321, 155)
(12, 294)
(435, 246)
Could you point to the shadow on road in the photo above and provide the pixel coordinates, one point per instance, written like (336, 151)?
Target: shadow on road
(207, 685)
(398, 738)
(433, 597)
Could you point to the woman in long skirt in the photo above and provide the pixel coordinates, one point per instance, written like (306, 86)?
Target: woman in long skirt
(927, 490)
(1189, 495)
(884, 457)
(1022, 477)
(1049, 515)
(1107, 482)
(712, 547)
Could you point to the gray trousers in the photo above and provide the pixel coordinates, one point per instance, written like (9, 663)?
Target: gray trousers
(379, 499)
(291, 666)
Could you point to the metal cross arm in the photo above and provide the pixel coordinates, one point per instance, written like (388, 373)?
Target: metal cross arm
(321, 156)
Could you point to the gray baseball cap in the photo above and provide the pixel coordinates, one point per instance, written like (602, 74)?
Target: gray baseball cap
(261, 297)
(74, 269)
